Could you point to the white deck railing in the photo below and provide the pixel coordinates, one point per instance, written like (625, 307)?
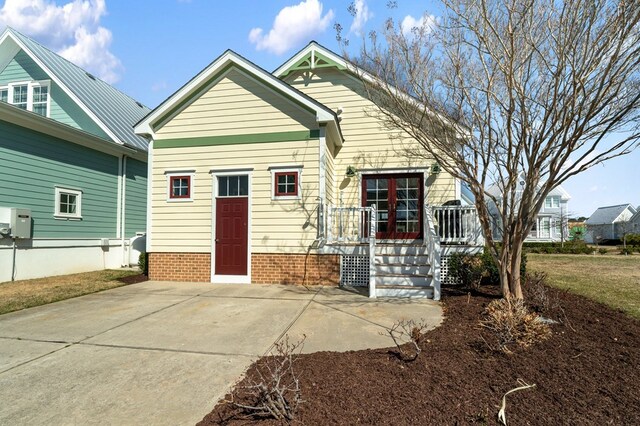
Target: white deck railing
(349, 224)
(458, 225)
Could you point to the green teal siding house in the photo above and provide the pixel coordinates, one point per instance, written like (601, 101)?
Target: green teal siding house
(71, 166)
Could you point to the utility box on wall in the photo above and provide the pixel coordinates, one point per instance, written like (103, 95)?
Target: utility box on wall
(15, 222)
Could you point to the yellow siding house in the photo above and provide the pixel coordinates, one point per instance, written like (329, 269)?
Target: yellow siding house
(290, 178)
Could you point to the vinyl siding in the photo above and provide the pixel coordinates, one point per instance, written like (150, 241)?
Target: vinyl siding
(135, 198)
(330, 174)
(237, 104)
(32, 164)
(62, 107)
(368, 145)
(276, 225)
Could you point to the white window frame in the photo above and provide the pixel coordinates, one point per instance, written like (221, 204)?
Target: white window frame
(30, 85)
(285, 169)
(7, 89)
(175, 173)
(59, 190)
(552, 202)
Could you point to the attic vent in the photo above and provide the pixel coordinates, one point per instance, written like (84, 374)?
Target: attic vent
(90, 76)
(139, 104)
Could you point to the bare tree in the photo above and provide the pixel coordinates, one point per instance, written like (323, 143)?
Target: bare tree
(538, 91)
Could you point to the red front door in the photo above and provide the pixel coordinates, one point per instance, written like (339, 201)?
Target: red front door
(399, 200)
(231, 236)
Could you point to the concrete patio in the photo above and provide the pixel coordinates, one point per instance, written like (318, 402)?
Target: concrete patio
(164, 353)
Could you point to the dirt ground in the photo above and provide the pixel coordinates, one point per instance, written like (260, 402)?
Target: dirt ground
(586, 373)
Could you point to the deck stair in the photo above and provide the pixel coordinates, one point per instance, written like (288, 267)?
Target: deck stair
(402, 269)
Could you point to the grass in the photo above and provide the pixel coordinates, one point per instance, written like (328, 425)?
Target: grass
(23, 294)
(611, 279)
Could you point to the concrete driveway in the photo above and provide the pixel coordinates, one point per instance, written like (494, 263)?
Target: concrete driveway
(164, 353)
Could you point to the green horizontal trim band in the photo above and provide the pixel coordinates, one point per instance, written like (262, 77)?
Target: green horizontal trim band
(238, 139)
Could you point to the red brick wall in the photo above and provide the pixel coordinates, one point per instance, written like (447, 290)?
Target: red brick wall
(277, 268)
(180, 267)
(266, 268)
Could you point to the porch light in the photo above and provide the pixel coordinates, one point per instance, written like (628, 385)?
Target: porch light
(351, 171)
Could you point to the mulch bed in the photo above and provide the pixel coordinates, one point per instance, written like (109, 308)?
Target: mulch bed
(586, 373)
(134, 279)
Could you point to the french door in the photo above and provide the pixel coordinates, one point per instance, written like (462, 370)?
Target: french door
(398, 199)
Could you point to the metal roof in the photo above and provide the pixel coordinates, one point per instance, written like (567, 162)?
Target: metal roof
(608, 214)
(115, 110)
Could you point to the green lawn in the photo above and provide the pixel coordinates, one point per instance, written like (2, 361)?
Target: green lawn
(23, 294)
(611, 279)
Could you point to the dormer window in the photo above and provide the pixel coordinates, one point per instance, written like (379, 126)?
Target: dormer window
(30, 96)
(552, 202)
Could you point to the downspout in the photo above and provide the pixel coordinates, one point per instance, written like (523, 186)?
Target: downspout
(123, 209)
(13, 266)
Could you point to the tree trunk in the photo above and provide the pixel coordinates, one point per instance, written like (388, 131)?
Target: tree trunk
(509, 268)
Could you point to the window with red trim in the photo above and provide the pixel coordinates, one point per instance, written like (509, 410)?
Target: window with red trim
(180, 187)
(286, 184)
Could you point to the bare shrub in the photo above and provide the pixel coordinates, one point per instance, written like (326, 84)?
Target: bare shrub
(407, 335)
(511, 323)
(274, 390)
(537, 292)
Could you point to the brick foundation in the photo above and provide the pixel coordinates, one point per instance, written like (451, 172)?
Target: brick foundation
(278, 268)
(194, 267)
(266, 268)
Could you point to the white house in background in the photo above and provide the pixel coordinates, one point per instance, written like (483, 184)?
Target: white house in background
(611, 223)
(551, 223)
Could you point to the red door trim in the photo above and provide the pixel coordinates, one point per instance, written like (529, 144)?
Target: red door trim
(391, 234)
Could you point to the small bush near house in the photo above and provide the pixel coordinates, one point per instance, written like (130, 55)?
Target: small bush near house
(602, 250)
(472, 270)
(142, 263)
(510, 323)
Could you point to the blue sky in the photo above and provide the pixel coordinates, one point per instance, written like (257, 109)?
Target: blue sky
(148, 49)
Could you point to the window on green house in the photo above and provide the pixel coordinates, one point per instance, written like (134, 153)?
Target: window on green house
(40, 100)
(4, 94)
(20, 96)
(68, 203)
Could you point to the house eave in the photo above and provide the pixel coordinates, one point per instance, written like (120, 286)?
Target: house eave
(38, 123)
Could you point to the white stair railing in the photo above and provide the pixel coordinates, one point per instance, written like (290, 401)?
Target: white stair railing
(349, 224)
(372, 252)
(432, 240)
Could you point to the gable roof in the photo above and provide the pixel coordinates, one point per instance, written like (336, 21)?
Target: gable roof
(208, 76)
(608, 214)
(112, 110)
(314, 55)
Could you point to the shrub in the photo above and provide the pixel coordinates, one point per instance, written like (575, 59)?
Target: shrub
(275, 390)
(633, 240)
(602, 250)
(404, 332)
(510, 323)
(626, 250)
(467, 269)
(537, 294)
(142, 263)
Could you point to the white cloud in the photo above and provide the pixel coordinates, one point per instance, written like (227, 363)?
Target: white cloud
(361, 15)
(428, 22)
(292, 25)
(72, 30)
